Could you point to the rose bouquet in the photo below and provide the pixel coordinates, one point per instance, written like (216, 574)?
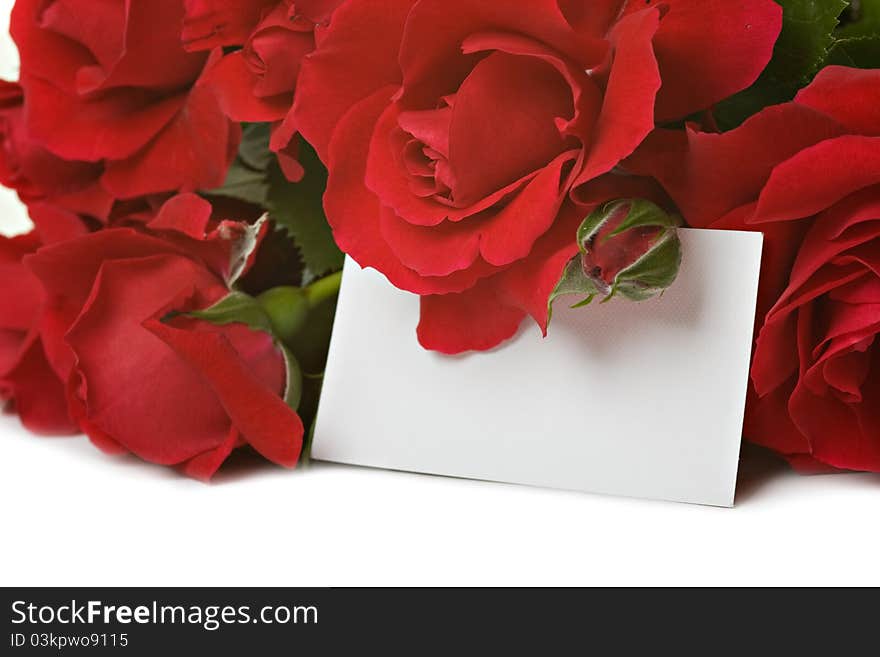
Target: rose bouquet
(195, 170)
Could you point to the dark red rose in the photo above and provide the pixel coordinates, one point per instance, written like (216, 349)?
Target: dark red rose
(142, 376)
(807, 174)
(109, 85)
(459, 135)
(25, 375)
(256, 83)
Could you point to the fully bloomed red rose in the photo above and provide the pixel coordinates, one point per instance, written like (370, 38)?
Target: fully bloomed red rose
(456, 131)
(25, 375)
(807, 174)
(256, 83)
(143, 376)
(109, 87)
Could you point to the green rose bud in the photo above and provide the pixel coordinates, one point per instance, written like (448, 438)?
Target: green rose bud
(628, 248)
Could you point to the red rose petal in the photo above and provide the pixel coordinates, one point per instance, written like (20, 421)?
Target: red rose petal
(204, 466)
(835, 433)
(529, 283)
(265, 422)
(388, 178)
(594, 18)
(151, 55)
(627, 115)
(490, 313)
(42, 53)
(708, 175)
(234, 83)
(136, 389)
(477, 319)
(114, 125)
(367, 33)
(211, 23)
(430, 51)
(190, 153)
(497, 236)
(849, 95)
(835, 168)
(354, 211)
(504, 124)
(40, 398)
(22, 295)
(708, 50)
(187, 214)
(768, 423)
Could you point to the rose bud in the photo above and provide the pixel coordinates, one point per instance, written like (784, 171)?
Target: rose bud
(627, 247)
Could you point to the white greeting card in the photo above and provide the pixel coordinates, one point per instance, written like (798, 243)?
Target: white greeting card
(636, 399)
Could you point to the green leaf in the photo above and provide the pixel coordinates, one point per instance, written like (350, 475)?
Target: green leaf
(803, 48)
(807, 36)
(246, 179)
(236, 307)
(254, 150)
(298, 207)
(862, 19)
(244, 184)
(858, 52)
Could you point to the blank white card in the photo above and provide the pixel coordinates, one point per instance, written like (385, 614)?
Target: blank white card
(636, 399)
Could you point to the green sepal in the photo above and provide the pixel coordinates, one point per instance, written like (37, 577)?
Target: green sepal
(641, 213)
(293, 384)
(654, 272)
(236, 307)
(644, 213)
(573, 281)
(586, 302)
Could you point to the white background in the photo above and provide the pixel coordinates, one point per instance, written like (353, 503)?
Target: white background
(71, 515)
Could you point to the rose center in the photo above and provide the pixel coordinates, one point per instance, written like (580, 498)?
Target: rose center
(502, 125)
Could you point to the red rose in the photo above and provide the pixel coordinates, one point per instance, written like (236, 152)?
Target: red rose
(57, 192)
(25, 375)
(456, 131)
(142, 376)
(110, 84)
(810, 167)
(257, 82)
